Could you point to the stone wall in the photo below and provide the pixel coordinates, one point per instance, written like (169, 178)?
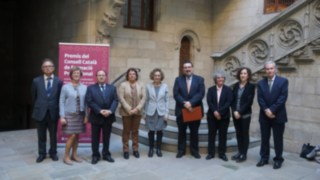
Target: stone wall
(234, 19)
(160, 48)
(302, 107)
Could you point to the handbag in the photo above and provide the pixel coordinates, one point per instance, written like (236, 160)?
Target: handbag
(305, 150)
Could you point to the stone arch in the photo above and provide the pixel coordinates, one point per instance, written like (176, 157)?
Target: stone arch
(193, 37)
(194, 45)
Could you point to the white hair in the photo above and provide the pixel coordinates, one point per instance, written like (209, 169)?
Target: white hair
(219, 73)
(270, 63)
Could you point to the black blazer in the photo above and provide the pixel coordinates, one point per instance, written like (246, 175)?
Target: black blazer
(224, 104)
(180, 92)
(96, 102)
(41, 102)
(246, 98)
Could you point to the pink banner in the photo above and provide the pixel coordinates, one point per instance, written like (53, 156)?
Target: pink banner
(90, 58)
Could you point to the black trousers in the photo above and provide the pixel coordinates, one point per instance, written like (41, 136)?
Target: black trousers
(214, 126)
(242, 126)
(95, 139)
(277, 130)
(42, 126)
(182, 135)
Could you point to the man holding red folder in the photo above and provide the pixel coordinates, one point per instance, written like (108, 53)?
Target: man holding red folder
(188, 92)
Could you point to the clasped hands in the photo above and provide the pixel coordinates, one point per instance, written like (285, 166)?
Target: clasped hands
(105, 112)
(134, 111)
(269, 113)
(188, 105)
(217, 115)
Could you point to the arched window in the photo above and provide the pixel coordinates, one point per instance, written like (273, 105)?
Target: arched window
(272, 6)
(138, 14)
(185, 52)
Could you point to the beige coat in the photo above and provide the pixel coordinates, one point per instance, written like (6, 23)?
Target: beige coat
(124, 95)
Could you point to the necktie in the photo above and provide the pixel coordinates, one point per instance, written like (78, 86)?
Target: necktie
(188, 84)
(270, 85)
(49, 86)
(102, 90)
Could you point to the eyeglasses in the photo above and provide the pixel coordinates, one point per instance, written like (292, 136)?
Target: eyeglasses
(49, 66)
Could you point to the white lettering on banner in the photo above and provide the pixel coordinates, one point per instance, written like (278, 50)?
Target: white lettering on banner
(66, 55)
(85, 68)
(67, 61)
(66, 67)
(66, 73)
(89, 62)
(85, 56)
(88, 73)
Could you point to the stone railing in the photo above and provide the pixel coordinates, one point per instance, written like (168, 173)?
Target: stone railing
(288, 39)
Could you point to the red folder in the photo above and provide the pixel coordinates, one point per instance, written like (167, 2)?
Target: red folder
(194, 115)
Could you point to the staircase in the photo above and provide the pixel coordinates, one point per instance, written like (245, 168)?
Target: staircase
(290, 39)
(170, 137)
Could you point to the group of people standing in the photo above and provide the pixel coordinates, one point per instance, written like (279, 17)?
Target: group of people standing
(151, 102)
(75, 104)
(272, 93)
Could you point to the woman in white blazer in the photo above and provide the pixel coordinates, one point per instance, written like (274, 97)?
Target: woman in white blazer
(156, 109)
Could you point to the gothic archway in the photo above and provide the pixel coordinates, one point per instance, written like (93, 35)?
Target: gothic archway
(185, 54)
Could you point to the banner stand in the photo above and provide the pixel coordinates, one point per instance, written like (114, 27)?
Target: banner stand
(89, 58)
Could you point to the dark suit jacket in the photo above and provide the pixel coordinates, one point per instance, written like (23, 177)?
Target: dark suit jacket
(246, 98)
(180, 92)
(224, 104)
(41, 102)
(274, 100)
(96, 102)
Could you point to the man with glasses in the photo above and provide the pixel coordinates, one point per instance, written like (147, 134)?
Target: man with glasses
(45, 101)
(188, 92)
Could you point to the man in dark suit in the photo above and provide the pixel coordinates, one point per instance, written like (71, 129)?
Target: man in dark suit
(188, 92)
(102, 100)
(272, 97)
(45, 100)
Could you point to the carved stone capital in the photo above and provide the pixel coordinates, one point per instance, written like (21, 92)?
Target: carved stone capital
(302, 52)
(315, 45)
(109, 20)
